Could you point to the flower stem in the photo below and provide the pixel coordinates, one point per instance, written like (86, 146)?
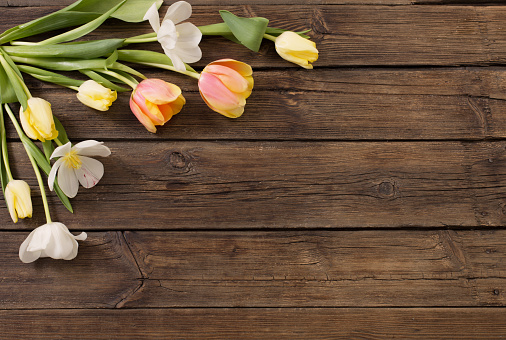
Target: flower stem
(192, 74)
(270, 37)
(57, 141)
(120, 77)
(144, 38)
(5, 155)
(23, 137)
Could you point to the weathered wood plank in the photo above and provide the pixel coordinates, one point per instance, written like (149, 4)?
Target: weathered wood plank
(300, 323)
(262, 269)
(185, 185)
(100, 277)
(348, 104)
(347, 35)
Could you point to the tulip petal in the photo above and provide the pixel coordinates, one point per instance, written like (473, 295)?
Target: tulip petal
(176, 60)
(11, 204)
(158, 91)
(188, 33)
(152, 16)
(243, 68)
(167, 35)
(232, 79)
(178, 11)
(90, 172)
(148, 124)
(68, 181)
(28, 256)
(26, 124)
(148, 108)
(60, 245)
(52, 173)
(92, 148)
(188, 54)
(81, 237)
(62, 150)
(41, 238)
(217, 94)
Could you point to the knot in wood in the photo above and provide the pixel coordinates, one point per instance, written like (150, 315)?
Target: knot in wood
(386, 189)
(177, 160)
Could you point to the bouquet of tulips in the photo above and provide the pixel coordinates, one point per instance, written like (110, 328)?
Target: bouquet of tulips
(224, 85)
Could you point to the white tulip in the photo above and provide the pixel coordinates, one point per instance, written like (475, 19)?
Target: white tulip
(50, 240)
(180, 42)
(73, 167)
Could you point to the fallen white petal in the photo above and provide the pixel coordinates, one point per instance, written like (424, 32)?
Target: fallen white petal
(90, 172)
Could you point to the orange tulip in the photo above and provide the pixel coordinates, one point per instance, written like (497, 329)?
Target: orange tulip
(225, 84)
(155, 101)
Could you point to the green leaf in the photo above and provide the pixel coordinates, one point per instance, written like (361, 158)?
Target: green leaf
(104, 81)
(50, 77)
(7, 94)
(82, 30)
(249, 31)
(81, 50)
(15, 81)
(62, 64)
(109, 62)
(45, 166)
(131, 11)
(124, 68)
(3, 139)
(62, 134)
(147, 58)
(277, 31)
(48, 148)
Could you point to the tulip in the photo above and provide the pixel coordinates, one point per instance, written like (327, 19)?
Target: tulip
(50, 240)
(37, 120)
(225, 84)
(96, 96)
(296, 49)
(155, 101)
(19, 202)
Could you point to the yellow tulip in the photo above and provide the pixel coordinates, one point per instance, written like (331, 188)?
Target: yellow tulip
(96, 96)
(17, 196)
(296, 49)
(37, 120)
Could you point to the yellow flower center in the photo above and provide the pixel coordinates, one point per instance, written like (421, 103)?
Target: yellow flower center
(72, 160)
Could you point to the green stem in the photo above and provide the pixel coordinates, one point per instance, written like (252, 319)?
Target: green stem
(120, 77)
(144, 38)
(22, 43)
(57, 141)
(5, 64)
(5, 155)
(192, 74)
(23, 137)
(75, 88)
(270, 37)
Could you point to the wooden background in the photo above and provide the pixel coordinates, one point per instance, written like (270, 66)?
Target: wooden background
(363, 199)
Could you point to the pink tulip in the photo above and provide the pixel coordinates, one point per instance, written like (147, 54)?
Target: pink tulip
(155, 101)
(225, 84)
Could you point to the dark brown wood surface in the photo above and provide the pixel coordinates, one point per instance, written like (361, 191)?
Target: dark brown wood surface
(364, 199)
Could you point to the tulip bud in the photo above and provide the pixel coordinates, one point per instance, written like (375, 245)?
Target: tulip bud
(17, 197)
(50, 240)
(225, 84)
(96, 96)
(37, 120)
(296, 49)
(155, 101)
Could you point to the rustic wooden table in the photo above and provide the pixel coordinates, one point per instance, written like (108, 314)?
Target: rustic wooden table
(363, 199)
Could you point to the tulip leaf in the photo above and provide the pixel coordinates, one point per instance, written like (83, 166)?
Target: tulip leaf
(48, 148)
(15, 80)
(7, 94)
(124, 68)
(249, 31)
(62, 64)
(81, 30)
(45, 166)
(104, 81)
(81, 50)
(62, 134)
(149, 58)
(109, 62)
(50, 77)
(131, 11)
(3, 140)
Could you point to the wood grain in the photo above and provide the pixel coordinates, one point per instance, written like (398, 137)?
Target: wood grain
(373, 268)
(335, 104)
(347, 35)
(192, 185)
(300, 323)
